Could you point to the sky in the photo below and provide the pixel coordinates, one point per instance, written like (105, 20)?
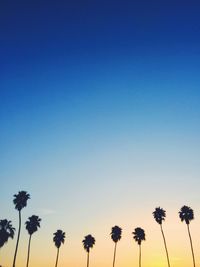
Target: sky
(99, 123)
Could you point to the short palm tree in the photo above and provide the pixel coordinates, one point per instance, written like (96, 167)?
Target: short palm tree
(6, 231)
(31, 226)
(186, 214)
(159, 215)
(20, 201)
(139, 236)
(116, 234)
(88, 243)
(58, 239)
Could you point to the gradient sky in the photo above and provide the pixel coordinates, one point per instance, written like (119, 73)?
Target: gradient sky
(100, 123)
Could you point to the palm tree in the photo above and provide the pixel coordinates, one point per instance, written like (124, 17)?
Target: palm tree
(139, 236)
(88, 243)
(58, 239)
(186, 214)
(31, 226)
(159, 215)
(20, 201)
(116, 233)
(6, 231)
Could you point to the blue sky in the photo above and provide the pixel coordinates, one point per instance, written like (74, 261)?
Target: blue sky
(82, 78)
(99, 100)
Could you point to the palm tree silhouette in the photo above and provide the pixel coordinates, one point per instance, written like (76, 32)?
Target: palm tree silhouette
(20, 201)
(58, 239)
(31, 226)
(186, 214)
(159, 215)
(139, 236)
(116, 234)
(6, 231)
(88, 243)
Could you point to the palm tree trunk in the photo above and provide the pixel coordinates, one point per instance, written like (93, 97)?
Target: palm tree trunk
(140, 256)
(19, 230)
(29, 246)
(57, 257)
(165, 245)
(114, 254)
(191, 244)
(88, 259)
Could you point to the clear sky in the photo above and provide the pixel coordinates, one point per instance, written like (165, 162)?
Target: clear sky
(100, 123)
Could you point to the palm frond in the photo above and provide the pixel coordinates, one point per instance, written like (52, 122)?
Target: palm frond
(139, 235)
(159, 215)
(20, 200)
(32, 224)
(88, 242)
(59, 238)
(116, 233)
(186, 214)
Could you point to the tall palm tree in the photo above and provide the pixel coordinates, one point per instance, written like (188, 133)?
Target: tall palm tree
(58, 239)
(31, 226)
(20, 201)
(159, 215)
(186, 214)
(6, 231)
(139, 236)
(88, 243)
(116, 234)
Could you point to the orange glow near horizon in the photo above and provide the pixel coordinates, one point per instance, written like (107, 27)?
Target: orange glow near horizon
(43, 252)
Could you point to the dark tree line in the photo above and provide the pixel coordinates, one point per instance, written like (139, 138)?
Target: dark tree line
(7, 231)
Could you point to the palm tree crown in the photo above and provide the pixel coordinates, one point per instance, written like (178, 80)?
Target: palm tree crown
(88, 242)
(6, 231)
(59, 238)
(32, 224)
(139, 235)
(20, 200)
(186, 214)
(159, 215)
(116, 233)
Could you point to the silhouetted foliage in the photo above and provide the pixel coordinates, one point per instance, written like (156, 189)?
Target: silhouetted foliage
(20, 201)
(58, 239)
(139, 235)
(88, 242)
(116, 234)
(186, 214)
(32, 226)
(6, 231)
(159, 215)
